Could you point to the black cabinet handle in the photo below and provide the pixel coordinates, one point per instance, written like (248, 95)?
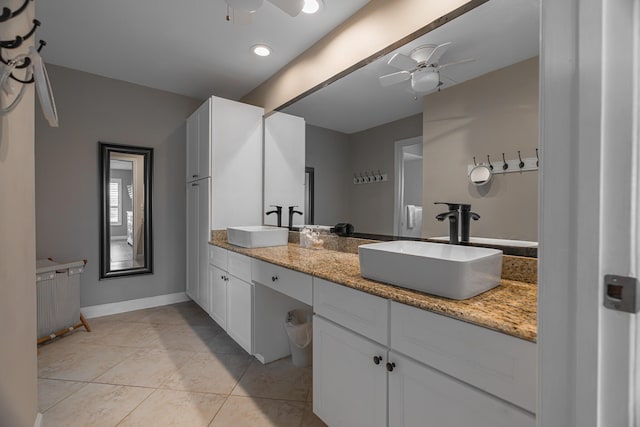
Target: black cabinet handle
(194, 176)
(222, 277)
(377, 359)
(194, 184)
(274, 278)
(390, 366)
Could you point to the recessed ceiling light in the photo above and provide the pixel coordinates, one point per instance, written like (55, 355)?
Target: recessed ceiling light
(312, 6)
(261, 50)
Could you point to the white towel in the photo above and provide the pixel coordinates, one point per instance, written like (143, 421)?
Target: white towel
(411, 216)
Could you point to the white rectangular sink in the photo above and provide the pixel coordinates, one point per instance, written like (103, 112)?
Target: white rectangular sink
(257, 236)
(491, 241)
(451, 271)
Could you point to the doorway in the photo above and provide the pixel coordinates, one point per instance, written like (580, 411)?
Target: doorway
(408, 188)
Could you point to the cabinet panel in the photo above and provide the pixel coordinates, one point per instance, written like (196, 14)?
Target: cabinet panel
(203, 235)
(500, 364)
(218, 281)
(419, 396)
(218, 257)
(361, 312)
(284, 161)
(192, 242)
(349, 389)
(192, 147)
(239, 312)
(291, 283)
(240, 266)
(204, 138)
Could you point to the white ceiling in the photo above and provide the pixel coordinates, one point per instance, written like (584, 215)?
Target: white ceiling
(186, 46)
(496, 34)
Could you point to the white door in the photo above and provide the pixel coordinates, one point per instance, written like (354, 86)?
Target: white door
(240, 309)
(349, 388)
(418, 393)
(192, 241)
(218, 283)
(589, 224)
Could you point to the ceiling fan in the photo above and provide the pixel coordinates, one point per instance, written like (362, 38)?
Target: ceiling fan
(242, 9)
(422, 67)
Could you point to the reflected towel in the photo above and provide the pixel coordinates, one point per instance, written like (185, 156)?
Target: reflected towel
(414, 216)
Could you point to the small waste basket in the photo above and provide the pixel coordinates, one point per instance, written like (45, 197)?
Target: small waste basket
(299, 330)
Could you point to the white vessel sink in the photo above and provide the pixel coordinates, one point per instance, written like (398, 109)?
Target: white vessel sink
(257, 236)
(451, 271)
(491, 241)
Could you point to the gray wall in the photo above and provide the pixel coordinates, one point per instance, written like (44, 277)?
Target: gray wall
(492, 114)
(371, 205)
(92, 109)
(18, 363)
(327, 151)
(126, 177)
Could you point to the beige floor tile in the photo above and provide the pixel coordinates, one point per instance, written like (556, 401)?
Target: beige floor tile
(251, 412)
(209, 373)
(79, 362)
(175, 408)
(276, 380)
(146, 368)
(96, 405)
(179, 314)
(136, 335)
(51, 392)
(223, 343)
(309, 419)
(187, 338)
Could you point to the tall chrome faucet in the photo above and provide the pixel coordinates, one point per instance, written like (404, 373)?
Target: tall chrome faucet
(278, 212)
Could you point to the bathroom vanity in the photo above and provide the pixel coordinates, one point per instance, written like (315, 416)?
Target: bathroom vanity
(383, 355)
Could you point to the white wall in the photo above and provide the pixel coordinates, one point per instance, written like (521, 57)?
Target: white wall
(18, 363)
(92, 109)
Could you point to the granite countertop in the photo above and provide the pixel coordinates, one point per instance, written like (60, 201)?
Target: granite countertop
(510, 308)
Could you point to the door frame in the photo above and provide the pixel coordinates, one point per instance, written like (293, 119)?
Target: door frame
(588, 209)
(398, 170)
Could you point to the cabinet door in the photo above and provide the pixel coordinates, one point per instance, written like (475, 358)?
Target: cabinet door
(239, 312)
(192, 147)
(218, 304)
(420, 396)
(204, 235)
(192, 242)
(284, 177)
(204, 140)
(349, 389)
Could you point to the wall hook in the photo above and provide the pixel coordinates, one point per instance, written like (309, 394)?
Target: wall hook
(17, 42)
(489, 161)
(521, 164)
(474, 161)
(537, 159)
(8, 14)
(505, 165)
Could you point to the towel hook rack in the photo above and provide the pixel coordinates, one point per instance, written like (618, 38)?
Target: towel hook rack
(521, 164)
(489, 161)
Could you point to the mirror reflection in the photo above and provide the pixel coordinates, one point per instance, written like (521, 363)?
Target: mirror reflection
(126, 239)
(420, 115)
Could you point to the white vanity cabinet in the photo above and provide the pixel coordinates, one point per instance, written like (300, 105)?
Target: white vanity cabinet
(370, 352)
(231, 295)
(284, 162)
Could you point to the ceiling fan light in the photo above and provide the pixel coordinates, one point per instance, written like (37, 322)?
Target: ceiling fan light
(261, 50)
(425, 80)
(311, 6)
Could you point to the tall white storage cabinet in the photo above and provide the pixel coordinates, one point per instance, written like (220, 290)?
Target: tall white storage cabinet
(224, 181)
(284, 151)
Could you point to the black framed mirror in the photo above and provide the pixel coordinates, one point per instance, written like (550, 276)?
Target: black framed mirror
(125, 214)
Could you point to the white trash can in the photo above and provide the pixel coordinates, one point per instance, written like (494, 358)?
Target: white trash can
(300, 331)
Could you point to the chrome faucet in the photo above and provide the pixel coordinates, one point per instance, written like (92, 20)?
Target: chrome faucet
(291, 212)
(278, 212)
(453, 214)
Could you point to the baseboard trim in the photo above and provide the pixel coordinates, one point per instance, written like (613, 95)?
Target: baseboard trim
(39, 420)
(134, 304)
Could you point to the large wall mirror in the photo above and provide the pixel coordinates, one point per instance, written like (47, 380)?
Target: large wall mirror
(384, 150)
(125, 220)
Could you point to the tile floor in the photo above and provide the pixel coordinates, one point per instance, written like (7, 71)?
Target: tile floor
(166, 366)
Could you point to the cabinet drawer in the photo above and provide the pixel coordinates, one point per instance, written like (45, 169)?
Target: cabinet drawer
(291, 283)
(239, 266)
(356, 310)
(502, 365)
(218, 257)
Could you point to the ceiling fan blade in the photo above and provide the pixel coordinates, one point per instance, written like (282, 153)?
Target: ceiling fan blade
(393, 78)
(244, 5)
(402, 62)
(440, 67)
(437, 53)
(290, 7)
